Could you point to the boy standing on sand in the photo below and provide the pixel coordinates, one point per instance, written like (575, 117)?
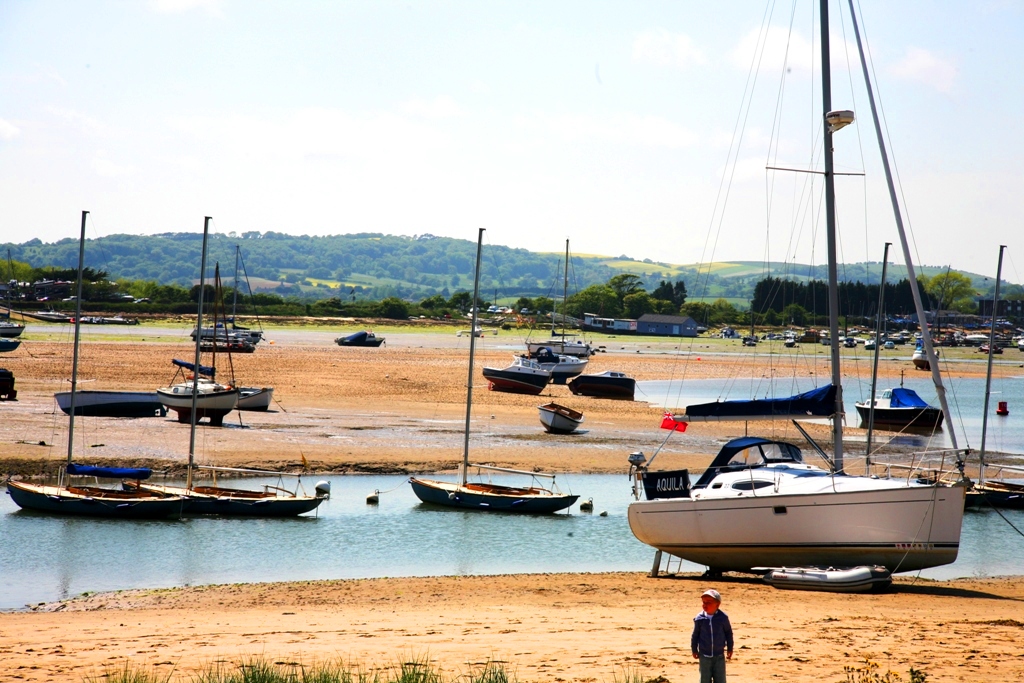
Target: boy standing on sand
(711, 641)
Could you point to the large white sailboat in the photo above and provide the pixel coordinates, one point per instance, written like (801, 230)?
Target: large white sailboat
(759, 505)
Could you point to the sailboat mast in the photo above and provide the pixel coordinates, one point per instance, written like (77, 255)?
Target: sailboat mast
(472, 351)
(830, 231)
(988, 370)
(879, 314)
(926, 337)
(78, 330)
(234, 294)
(565, 289)
(199, 337)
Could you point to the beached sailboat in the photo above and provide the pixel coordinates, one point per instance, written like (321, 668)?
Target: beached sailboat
(486, 496)
(759, 505)
(272, 501)
(66, 498)
(562, 344)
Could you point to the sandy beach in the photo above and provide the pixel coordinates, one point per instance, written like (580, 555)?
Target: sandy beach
(562, 627)
(400, 409)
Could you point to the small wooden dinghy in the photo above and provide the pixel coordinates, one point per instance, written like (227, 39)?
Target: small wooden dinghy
(830, 579)
(558, 419)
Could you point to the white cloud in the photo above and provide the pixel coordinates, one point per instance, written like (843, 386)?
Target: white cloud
(649, 131)
(109, 169)
(925, 67)
(8, 131)
(662, 48)
(779, 48)
(212, 7)
(441, 107)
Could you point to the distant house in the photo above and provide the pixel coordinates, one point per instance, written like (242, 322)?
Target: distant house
(594, 323)
(667, 325)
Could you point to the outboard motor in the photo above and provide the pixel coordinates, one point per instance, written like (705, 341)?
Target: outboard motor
(323, 489)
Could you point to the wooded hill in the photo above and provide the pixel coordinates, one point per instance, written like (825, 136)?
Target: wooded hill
(375, 266)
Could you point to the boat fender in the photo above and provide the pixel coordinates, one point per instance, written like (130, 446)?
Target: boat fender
(451, 495)
(323, 489)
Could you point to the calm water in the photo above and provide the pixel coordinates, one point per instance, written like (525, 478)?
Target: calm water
(45, 558)
(966, 399)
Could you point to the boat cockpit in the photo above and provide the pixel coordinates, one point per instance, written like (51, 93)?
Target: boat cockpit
(748, 453)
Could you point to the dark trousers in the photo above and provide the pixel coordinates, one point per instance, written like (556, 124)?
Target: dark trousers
(712, 669)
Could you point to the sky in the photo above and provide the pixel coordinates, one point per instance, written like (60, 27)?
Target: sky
(631, 128)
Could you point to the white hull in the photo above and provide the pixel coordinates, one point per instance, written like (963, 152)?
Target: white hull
(565, 348)
(903, 529)
(253, 398)
(220, 400)
(559, 419)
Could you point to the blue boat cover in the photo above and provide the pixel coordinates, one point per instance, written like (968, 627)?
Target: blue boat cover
(110, 472)
(906, 398)
(820, 402)
(203, 369)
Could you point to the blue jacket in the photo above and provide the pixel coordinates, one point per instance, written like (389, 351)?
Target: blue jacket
(712, 635)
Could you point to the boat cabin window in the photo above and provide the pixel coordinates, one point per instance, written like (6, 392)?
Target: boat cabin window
(762, 454)
(749, 485)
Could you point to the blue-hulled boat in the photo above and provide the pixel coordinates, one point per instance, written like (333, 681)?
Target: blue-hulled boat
(9, 344)
(485, 496)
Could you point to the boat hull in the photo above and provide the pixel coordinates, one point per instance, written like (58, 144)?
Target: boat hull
(228, 502)
(515, 382)
(112, 403)
(603, 387)
(10, 331)
(997, 495)
(114, 504)
(252, 398)
(490, 498)
(916, 418)
(9, 345)
(558, 419)
(901, 529)
(851, 580)
(214, 405)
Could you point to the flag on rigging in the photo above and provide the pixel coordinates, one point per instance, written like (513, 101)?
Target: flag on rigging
(669, 422)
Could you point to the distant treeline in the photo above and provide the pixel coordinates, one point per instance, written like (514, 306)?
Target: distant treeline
(855, 298)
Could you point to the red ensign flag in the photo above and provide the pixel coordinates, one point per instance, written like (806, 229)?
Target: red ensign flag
(668, 422)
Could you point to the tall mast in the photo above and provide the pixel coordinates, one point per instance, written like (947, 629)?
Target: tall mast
(565, 289)
(78, 329)
(926, 337)
(472, 352)
(830, 231)
(234, 295)
(195, 370)
(880, 313)
(988, 370)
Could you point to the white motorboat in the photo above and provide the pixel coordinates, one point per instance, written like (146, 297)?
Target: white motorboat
(523, 376)
(564, 346)
(559, 419)
(562, 367)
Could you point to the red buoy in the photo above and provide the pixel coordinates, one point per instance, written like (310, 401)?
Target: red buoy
(1002, 409)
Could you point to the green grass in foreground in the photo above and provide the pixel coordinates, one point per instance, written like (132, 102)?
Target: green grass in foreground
(261, 670)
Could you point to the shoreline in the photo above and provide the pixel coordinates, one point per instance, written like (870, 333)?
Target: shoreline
(549, 627)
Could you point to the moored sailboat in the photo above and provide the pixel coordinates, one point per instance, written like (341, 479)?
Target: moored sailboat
(272, 501)
(486, 496)
(66, 498)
